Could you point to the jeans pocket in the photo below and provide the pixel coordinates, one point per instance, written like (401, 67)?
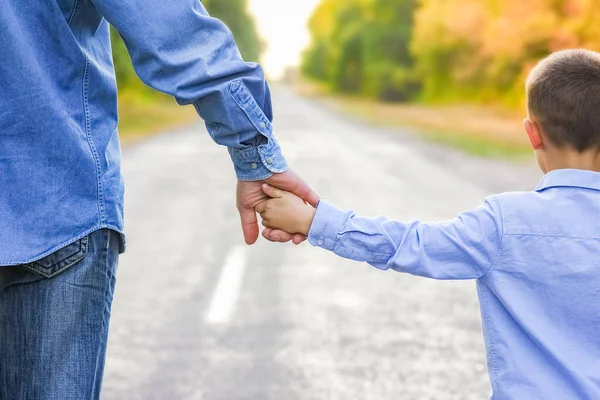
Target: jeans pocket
(60, 260)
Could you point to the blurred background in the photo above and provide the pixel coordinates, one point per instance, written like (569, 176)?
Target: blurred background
(407, 108)
(459, 64)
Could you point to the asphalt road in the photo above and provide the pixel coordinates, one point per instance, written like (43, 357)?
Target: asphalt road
(198, 315)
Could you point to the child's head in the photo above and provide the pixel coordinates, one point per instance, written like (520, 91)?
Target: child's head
(563, 101)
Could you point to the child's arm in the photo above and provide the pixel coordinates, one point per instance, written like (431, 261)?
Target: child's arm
(461, 248)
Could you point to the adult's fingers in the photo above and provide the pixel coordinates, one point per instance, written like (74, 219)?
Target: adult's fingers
(277, 236)
(249, 224)
(307, 194)
(298, 238)
(302, 190)
(291, 182)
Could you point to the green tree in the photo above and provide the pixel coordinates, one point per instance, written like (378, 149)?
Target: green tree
(349, 65)
(363, 46)
(389, 63)
(442, 50)
(318, 58)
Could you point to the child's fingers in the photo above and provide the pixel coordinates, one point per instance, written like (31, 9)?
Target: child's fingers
(265, 213)
(261, 207)
(271, 191)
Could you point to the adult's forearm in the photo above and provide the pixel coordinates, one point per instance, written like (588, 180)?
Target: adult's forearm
(177, 48)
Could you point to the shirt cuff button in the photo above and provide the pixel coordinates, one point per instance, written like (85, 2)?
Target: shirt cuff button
(320, 242)
(263, 125)
(254, 165)
(270, 160)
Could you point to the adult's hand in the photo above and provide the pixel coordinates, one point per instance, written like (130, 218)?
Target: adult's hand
(250, 196)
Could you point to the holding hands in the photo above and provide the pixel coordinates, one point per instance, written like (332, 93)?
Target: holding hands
(251, 198)
(285, 211)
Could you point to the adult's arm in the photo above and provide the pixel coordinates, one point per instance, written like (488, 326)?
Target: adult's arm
(177, 48)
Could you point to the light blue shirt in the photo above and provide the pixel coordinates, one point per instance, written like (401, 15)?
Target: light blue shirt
(536, 258)
(60, 168)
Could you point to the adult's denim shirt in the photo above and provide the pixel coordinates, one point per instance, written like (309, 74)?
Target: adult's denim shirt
(535, 256)
(60, 169)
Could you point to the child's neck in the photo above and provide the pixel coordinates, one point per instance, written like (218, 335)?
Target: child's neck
(571, 159)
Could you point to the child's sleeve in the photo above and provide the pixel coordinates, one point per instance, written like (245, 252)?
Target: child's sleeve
(461, 248)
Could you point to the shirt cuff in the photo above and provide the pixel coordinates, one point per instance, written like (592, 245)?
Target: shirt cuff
(256, 163)
(327, 223)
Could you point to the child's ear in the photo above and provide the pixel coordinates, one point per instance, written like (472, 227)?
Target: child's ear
(534, 134)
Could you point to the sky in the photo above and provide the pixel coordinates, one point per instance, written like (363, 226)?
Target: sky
(282, 25)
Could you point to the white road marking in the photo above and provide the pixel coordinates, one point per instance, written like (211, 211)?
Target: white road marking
(228, 289)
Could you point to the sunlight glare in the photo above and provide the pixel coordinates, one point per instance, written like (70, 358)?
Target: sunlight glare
(282, 25)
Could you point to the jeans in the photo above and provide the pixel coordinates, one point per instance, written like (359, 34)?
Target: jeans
(54, 316)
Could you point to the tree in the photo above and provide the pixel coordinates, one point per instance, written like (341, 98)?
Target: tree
(482, 50)
(362, 46)
(443, 50)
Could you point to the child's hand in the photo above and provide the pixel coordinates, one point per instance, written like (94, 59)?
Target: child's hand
(285, 211)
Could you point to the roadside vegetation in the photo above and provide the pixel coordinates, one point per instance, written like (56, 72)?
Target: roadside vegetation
(445, 66)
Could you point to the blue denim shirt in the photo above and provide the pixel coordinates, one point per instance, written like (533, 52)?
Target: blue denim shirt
(60, 172)
(535, 256)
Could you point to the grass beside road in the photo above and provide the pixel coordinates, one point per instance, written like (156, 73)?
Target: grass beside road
(482, 131)
(142, 114)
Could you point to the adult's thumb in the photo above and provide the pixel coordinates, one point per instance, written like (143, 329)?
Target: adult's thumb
(249, 225)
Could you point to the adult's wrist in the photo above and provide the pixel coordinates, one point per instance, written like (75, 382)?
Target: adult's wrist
(258, 162)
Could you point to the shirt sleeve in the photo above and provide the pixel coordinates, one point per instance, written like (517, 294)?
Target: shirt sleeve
(461, 248)
(177, 48)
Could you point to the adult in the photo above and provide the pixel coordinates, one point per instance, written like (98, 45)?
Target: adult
(61, 190)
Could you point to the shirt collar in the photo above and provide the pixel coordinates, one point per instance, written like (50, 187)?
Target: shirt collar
(578, 178)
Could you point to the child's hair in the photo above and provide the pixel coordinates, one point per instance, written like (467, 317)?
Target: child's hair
(563, 97)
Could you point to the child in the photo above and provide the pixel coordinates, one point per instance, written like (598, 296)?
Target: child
(535, 255)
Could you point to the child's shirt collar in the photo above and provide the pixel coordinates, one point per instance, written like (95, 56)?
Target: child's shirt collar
(570, 178)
